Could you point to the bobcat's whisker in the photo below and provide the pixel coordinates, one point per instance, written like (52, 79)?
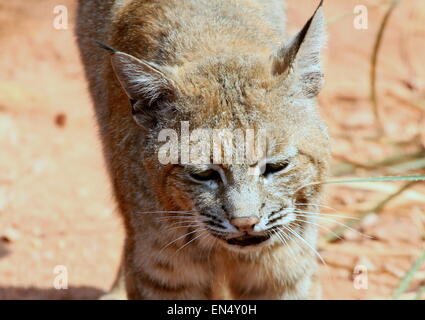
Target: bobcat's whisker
(202, 234)
(181, 227)
(180, 223)
(286, 239)
(315, 214)
(307, 185)
(299, 246)
(213, 244)
(177, 239)
(291, 249)
(334, 221)
(314, 205)
(151, 212)
(184, 223)
(293, 232)
(217, 233)
(320, 226)
(187, 218)
(217, 230)
(279, 237)
(327, 214)
(170, 218)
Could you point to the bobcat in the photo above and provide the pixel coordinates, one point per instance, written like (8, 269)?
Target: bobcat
(208, 230)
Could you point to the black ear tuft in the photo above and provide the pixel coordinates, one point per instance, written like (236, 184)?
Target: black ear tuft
(106, 47)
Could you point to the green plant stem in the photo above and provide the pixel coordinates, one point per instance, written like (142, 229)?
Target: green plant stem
(416, 178)
(409, 276)
(420, 292)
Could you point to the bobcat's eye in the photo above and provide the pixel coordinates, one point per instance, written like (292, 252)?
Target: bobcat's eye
(274, 167)
(207, 175)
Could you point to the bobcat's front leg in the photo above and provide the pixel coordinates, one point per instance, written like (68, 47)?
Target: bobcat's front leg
(154, 270)
(118, 290)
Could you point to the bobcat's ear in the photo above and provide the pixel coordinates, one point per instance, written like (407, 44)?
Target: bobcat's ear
(146, 85)
(300, 58)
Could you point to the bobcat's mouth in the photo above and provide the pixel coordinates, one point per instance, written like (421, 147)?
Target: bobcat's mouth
(247, 240)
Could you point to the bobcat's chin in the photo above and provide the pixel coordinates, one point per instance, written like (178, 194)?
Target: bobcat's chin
(248, 240)
(245, 241)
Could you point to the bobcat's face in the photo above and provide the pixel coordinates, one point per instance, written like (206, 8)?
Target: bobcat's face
(222, 194)
(256, 201)
(250, 203)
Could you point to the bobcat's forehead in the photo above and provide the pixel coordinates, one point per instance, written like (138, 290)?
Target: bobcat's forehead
(227, 91)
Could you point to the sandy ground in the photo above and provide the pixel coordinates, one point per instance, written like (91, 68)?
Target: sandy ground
(56, 206)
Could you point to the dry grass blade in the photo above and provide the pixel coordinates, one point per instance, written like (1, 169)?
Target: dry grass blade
(408, 277)
(416, 164)
(420, 292)
(374, 63)
(338, 231)
(345, 168)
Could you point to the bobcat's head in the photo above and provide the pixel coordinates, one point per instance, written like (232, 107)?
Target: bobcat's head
(256, 200)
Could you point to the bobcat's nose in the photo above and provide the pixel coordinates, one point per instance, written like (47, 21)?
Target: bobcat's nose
(245, 224)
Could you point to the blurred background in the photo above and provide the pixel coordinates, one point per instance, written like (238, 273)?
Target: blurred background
(56, 206)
